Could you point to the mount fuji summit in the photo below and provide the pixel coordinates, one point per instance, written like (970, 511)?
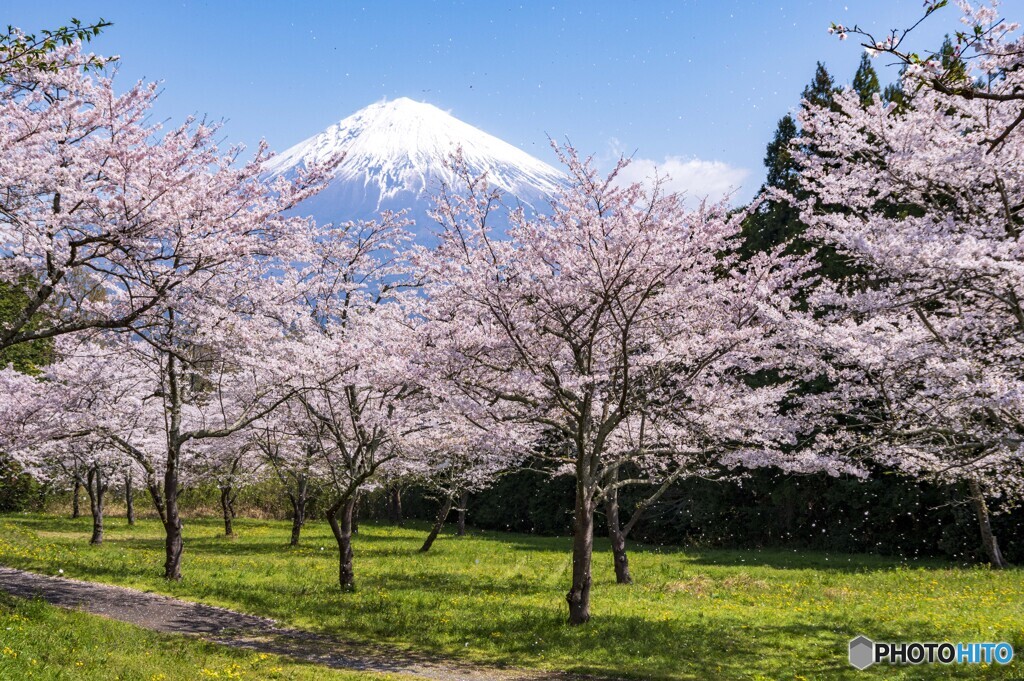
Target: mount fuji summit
(395, 155)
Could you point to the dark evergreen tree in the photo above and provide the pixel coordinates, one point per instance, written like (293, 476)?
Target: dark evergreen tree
(778, 158)
(893, 92)
(775, 222)
(822, 89)
(865, 81)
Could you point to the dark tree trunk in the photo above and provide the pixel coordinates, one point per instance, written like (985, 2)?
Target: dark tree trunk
(129, 497)
(988, 539)
(463, 502)
(227, 507)
(298, 510)
(95, 488)
(582, 553)
(355, 516)
(342, 530)
(395, 505)
(157, 496)
(618, 539)
(298, 520)
(75, 510)
(442, 515)
(173, 544)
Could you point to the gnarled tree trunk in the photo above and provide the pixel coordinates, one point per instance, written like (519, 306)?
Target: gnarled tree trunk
(342, 529)
(988, 539)
(174, 544)
(298, 509)
(617, 531)
(578, 597)
(96, 487)
(355, 515)
(442, 515)
(618, 538)
(298, 520)
(75, 510)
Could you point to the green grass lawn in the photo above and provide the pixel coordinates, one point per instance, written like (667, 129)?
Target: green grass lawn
(494, 597)
(38, 641)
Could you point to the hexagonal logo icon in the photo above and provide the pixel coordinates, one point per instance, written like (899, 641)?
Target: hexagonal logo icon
(862, 652)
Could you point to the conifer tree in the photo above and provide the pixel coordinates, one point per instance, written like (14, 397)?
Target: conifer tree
(775, 223)
(778, 158)
(822, 88)
(865, 81)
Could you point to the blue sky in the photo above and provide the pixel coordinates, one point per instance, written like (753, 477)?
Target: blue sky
(673, 81)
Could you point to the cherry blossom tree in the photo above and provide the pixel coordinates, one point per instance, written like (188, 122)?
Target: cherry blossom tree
(87, 462)
(925, 347)
(114, 224)
(619, 304)
(363, 407)
(294, 459)
(159, 405)
(94, 465)
(202, 397)
(461, 458)
(231, 463)
(722, 432)
(987, 42)
(49, 419)
(104, 216)
(73, 187)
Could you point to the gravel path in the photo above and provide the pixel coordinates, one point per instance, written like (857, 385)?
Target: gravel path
(170, 615)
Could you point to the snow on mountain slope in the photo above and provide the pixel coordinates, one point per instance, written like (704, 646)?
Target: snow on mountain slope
(395, 154)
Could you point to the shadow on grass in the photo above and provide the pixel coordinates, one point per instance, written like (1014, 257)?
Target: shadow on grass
(379, 540)
(812, 560)
(782, 559)
(260, 537)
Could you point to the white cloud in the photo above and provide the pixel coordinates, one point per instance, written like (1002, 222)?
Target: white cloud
(695, 177)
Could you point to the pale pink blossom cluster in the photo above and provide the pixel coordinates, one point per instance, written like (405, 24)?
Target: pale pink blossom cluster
(925, 348)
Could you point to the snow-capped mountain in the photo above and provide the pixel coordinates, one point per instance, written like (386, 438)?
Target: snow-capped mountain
(395, 156)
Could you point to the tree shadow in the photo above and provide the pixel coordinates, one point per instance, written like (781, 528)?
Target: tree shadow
(811, 560)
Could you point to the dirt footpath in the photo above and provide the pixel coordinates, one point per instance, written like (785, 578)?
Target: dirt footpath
(170, 615)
